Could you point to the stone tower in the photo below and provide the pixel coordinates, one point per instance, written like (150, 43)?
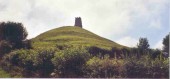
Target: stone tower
(78, 22)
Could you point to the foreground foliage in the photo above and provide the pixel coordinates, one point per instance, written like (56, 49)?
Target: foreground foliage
(78, 62)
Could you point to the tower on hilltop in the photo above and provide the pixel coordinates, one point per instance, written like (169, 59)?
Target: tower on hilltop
(78, 22)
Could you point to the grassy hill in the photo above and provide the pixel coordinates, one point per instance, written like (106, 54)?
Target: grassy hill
(69, 36)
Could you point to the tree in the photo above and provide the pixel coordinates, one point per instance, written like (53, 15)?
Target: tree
(13, 32)
(143, 45)
(166, 44)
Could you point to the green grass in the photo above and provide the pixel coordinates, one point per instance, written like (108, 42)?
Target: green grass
(4, 74)
(72, 36)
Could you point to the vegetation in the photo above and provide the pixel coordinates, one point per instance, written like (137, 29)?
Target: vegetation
(75, 52)
(143, 44)
(13, 32)
(70, 62)
(166, 44)
(105, 67)
(5, 47)
(146, 67)
(4, 74)
(12, 36)
(71, 36)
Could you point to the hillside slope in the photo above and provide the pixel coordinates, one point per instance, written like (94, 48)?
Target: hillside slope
(68, 36)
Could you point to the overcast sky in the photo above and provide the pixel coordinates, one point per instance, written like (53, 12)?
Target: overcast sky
(122, 21)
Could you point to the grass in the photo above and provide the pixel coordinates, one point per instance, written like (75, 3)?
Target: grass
(72, 36)
(4, 74)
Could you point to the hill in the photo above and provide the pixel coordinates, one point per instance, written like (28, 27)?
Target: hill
(69, 36)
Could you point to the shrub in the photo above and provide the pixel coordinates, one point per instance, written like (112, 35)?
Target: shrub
(5, 47)
(24, 59)
(113, 52)
(8, 66)
(159, 68)
(104, 68)
(134, 68)
(35, 63)
(155, 53)
(6, 63)
(44, 63)
(31, 63)
(146, 67)
(27, 44)
(96, 51)
(69, 62)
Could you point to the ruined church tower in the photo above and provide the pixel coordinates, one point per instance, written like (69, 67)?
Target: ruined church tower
(78, 22)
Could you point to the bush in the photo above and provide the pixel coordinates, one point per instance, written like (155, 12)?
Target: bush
(6, 62)
(25, 59)
(5, 47)
(8, 66)
(21, 60)
(104, 68)
(98, 51)
(44, 63)
(146, 67)
(134, 68)
(159, 67)
(70, 62)
(27, 44)
(31, 63)
(155, 53)
(113, 52)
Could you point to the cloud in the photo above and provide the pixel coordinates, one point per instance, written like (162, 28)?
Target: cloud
(108, 18)
(128, 41)
(32, 15)
(158, 45)
(53, 13)
(155, 24)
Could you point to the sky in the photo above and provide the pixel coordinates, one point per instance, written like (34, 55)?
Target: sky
(122, 21)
